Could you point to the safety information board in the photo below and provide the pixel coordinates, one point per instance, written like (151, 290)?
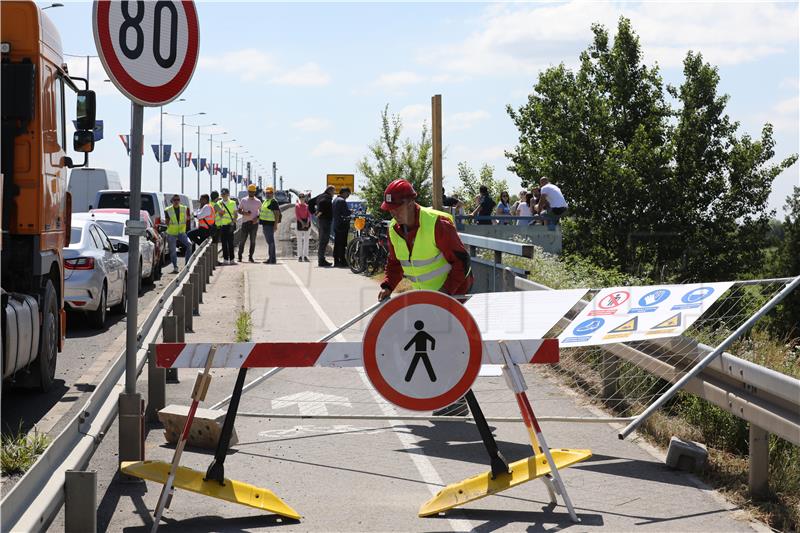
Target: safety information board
(622, 314)
(520, 314)
(341, 180)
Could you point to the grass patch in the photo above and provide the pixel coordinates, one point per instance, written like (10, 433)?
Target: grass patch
(20, 450)
(244, 326)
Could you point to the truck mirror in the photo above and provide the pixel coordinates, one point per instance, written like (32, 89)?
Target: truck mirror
(85, 112)
(83, 141)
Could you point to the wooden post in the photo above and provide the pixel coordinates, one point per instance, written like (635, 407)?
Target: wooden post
(436, 127)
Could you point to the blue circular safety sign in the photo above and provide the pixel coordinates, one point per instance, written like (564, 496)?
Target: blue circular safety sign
(696, 295)
(654, 297)
(587, 327)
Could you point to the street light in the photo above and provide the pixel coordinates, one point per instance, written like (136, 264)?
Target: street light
(161, 145)
(229, 163)
(197, 159)
(183, 123)
(211, 161)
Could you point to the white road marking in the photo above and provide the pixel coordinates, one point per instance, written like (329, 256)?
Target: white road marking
(409, 441)
(310, 402)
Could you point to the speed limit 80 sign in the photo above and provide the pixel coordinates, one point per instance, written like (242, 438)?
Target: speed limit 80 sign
(149, 49)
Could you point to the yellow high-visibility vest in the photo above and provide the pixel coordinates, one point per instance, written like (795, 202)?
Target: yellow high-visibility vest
(177, 223)
(224, 218)
(265, 213)
(425, 266)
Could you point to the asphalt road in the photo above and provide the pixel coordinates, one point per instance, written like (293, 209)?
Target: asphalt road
(345, 475)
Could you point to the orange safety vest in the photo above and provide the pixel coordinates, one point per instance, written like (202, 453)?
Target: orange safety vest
(208, 221)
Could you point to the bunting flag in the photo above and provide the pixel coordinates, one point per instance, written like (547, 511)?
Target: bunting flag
(202, 163)
(183, 160)
(224, 172)
(165, 152)
(126, 141)
(216, 168)
(98, 129)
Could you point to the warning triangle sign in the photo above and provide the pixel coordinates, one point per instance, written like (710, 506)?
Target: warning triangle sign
(672, 322)
(627, 326)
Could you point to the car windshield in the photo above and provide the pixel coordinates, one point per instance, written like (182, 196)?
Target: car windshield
(75, 235)
(112, 229)
(122, 199)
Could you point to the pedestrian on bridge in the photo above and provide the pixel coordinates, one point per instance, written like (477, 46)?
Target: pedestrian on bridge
(205, 221)
(303, 217)
(250, 208)
(226, 223)
(178, 218)
(425, 248)
(324, 211)
(341, 227)
(270, 217)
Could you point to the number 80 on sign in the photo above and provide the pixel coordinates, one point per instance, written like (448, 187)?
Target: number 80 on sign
(149, 49)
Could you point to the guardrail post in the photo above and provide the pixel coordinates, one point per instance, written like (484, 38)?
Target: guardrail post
(498, 260)
(188, 301)
(473, 251)
(196, 292)
(201, 278)
(169, 331)
(131, 427)
(179, 311)
(156, 386)
(609, 373)
(759, 462)
(80, 501)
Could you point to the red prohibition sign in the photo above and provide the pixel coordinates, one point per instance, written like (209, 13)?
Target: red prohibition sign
(397, 304)
(147, 95)
(615, 299)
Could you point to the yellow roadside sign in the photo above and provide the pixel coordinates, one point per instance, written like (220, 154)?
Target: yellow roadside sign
(341, 180)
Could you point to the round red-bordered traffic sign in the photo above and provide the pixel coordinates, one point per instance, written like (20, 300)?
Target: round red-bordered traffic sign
(150, 67)
(614, 299)
(389, 350)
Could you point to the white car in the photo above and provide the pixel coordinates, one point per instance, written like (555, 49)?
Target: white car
(95, 275)
(114, 226)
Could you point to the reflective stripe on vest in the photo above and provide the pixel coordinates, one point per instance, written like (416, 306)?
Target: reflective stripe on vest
(425, 266)
(208, 221)
(177, 224)
(265, 213)
(224, 218)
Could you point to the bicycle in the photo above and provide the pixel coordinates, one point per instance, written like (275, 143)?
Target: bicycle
(369, 250)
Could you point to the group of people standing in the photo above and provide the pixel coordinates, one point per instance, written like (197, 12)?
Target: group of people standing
(547, 200)
(333, 216)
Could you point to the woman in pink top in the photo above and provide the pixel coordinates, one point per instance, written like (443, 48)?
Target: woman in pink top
(303, 217)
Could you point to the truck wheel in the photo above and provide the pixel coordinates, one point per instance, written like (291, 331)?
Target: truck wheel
(44, 368)
(98, 318)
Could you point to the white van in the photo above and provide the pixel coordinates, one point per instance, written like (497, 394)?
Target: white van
(84, 184)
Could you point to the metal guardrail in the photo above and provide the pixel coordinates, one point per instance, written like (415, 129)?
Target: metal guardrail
(37, 496)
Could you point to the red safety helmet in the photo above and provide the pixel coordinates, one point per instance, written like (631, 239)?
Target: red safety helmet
(396, 192)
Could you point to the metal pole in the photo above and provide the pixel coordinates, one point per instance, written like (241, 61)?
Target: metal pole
(210, 162)
(88, 87)
(236, 181)
(183, 153)
(220, 169)
(137, 113)
(709, 358)
(274, 173)
(160, 148)
(229, 168)
(436, 126)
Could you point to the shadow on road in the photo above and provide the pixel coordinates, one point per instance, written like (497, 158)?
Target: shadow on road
(36, 405)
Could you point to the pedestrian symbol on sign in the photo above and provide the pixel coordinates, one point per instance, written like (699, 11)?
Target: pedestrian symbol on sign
(420, 342)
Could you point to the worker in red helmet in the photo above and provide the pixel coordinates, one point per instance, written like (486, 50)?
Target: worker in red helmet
(424, 248)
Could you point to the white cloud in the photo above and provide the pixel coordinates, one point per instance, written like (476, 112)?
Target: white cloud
(465, 119)
(333, 149)
(402, 78)
(783, 115)
(311, 124)
(309, 74)
(514, 39)
(249, 64)
(414, 116)
(490, 153)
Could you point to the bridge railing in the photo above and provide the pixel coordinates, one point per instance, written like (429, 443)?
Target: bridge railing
(537, 229)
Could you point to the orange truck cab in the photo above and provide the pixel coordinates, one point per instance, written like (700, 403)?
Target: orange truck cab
(35, 204)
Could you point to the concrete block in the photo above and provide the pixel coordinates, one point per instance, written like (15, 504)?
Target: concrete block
(686, 455)
(206, 427)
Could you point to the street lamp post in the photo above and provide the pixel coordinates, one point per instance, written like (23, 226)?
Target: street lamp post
(211, 160)
(197, 159)
(183, 123)
(229, 163)
(161, 145)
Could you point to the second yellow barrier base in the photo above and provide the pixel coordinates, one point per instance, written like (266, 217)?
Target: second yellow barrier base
(191, 480)
(483, 485)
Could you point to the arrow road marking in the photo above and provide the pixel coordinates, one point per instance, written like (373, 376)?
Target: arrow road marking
(310, 403)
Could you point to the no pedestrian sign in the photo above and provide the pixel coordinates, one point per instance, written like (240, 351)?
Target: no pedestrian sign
(422, 350)
(149, 49)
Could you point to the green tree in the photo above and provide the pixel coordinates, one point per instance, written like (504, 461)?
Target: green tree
(787, 263)
(471, 182)
(391, 158)
(651, 189)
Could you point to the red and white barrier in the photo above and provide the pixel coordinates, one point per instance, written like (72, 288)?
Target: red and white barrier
(327, 354)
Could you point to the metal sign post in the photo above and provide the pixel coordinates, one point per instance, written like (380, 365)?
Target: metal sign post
(133, 231)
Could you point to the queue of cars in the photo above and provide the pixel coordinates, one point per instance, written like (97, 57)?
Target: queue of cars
(96, 261)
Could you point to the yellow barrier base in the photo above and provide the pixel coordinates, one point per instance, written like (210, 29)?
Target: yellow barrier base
(483, 485)
(191, 480)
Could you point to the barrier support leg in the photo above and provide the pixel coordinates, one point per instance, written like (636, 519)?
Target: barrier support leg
(80, 501)
(216, 471)
(497, 461)
(156, 386)
(169, 332)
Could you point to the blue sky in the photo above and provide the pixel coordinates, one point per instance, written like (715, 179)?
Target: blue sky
(303, 84)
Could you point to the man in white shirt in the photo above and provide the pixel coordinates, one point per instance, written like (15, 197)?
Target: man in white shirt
(553, 199)
(205, 221)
